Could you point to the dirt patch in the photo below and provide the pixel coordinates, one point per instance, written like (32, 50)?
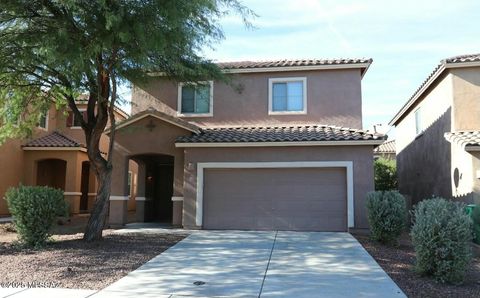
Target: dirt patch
(399, 262)
(72, 263)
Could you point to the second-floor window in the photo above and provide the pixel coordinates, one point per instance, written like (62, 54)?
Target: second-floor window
(287, 96)
(75, 122)
(195, 99)
(43, 122)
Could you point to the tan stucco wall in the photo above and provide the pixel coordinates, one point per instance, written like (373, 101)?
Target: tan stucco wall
(433, 106)
(11, 165)
(333, 97)
(361, 156)
(466, 95)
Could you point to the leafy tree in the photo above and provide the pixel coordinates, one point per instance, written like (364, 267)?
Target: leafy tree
(385, 174)
(53, 50)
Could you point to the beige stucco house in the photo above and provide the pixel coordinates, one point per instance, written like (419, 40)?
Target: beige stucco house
(438, 134)
(56, 156)
(281, 147)
(386, 150)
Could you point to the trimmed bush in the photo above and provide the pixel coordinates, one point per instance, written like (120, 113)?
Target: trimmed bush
(34, 209)
(441, 236)
(387, 215)
(385, 174)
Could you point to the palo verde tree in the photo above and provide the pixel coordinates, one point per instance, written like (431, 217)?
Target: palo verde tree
(51, 51)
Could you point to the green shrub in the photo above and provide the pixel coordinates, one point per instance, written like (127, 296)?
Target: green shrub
(441, 236)
(387, 215)
(34, 209)
(385, 174)
(476, 224)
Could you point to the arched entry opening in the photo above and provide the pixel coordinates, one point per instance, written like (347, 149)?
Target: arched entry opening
(52, 173)
(155, 186)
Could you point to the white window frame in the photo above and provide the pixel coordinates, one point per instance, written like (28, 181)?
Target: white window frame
(46, 122)
(179, 100)
(73, 119)
(271, 81)
(348, 165)
(418, 122)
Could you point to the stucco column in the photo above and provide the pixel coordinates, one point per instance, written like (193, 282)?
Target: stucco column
(140, 199)
(73, 183)
(177, 199)
(119, 190)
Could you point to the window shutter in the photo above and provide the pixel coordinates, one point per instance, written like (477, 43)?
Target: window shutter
(70, 119)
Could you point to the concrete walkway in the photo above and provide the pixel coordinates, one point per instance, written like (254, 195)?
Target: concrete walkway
(258, 264)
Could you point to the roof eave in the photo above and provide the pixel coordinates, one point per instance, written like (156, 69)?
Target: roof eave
(281, 144)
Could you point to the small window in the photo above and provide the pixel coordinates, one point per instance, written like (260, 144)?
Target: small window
(287, 96)
(43, 122)
(418, 122)
(195, 99)
(75, 122)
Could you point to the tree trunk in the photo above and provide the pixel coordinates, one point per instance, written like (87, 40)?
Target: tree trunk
(98, 217)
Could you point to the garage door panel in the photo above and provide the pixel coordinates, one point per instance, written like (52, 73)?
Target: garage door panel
(284, 199)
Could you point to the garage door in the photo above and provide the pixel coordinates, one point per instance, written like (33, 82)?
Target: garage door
(298, 199)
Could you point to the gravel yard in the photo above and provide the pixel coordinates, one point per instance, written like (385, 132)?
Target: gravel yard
(399, 262)
(70, 262)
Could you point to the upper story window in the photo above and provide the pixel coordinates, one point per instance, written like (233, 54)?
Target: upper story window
(418, 121)
(287, 96)
(75, 122)
(195, 99)
(43, 121)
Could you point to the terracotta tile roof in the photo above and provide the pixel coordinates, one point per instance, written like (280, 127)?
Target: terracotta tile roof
(464, 138)
(386, 147)
(299, 133)
(290, 63)
(55, 139)
(451, 61)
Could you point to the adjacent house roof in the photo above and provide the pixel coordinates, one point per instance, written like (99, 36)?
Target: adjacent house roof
(469, 140)
(452, 62)
(271, 135)
(293, 65)
(387, 147)
(55, 139)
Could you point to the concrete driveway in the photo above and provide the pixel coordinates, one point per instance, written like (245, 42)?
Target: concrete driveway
(259, 264)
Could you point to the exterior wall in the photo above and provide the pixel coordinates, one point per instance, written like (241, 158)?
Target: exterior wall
(333, 97)
(476, 177)
(424, 160)
(466, 94)
(361, 156)
(11, 162)
(74, 161)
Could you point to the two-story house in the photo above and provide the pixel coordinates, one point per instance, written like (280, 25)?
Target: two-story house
(438, 134)
(56, 156)
(281, 147)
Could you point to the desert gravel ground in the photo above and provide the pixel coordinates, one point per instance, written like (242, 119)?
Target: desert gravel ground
(70, 262)
(399, 262)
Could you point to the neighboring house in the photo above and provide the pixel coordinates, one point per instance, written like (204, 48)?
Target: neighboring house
(54, 156)
(438, 134)
(386, 150)
(280, 148)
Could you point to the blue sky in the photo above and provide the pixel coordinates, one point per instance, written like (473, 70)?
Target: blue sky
(406, 40)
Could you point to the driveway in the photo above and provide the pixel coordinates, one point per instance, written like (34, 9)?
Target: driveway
(259, 264)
